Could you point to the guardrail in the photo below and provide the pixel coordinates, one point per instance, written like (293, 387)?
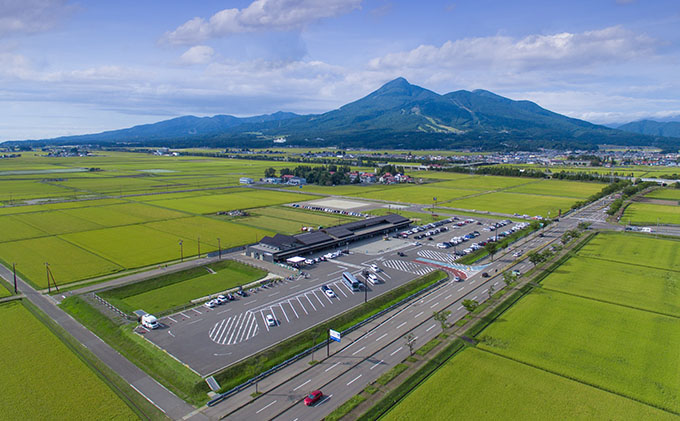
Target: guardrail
(112, 307)
(316, 347)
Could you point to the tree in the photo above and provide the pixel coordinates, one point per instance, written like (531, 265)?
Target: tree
(470, 305)
(442, 317)
(491, 291)
(410, 342)
(535, 257)
(269, 172)
(285, 171)
(508, 278)
(491, 248)
(583, 226)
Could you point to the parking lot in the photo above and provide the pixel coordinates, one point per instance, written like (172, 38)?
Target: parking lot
(209, 339)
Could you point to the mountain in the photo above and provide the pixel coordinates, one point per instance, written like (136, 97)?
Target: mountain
(653, 128)
(397, 115)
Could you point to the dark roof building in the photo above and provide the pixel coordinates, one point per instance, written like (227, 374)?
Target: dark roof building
(280, 247)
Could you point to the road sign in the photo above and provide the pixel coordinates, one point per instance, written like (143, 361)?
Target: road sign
(335, 335)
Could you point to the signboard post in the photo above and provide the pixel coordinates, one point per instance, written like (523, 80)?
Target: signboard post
(332, 334)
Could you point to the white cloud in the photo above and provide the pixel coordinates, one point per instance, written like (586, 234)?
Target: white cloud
(30, 16)
(563, 50)
(199, 54)
(260, 15)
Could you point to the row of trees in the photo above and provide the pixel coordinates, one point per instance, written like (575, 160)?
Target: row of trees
(626, 193)
(325, 175)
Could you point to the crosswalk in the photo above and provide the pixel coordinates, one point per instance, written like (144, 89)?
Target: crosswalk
(437, 255)
(409, 267)
(235, 329)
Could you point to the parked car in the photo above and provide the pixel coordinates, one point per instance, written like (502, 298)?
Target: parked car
(271, 321)
(328, 291)
(375, 268)
(210, 304)
(313, 397)
(221, 299)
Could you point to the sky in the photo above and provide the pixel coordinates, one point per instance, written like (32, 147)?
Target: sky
(74, 67)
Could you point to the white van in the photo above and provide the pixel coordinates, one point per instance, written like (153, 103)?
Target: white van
(149, 321)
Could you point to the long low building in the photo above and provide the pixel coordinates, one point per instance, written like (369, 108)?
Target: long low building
(280, 247)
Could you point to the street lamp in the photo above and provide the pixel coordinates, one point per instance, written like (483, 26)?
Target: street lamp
(181, 251)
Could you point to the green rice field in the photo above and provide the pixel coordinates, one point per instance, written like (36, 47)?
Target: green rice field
(667, 194)
(572, 189)
(488, 386)
(638, 213)
(41, 378)
(511, 203)
(642, 250)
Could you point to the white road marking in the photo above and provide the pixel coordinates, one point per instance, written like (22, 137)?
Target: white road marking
(188, 317)
(377, 364)
(461, 288)
(401, 325)
(303, 307)
(448, 296)
(196, 311)
(382, 336)
(234, 330)
(435, 304)
(485, 290)
(302, 385)
(331, 367)
(354, 379)
(284, 312)
(295, 286)
(264, 321)
(399, 349)
(340, 289)
(430, 328)
(194, 321)
(419, 314)
(171, 334)
(459, 308)
(224, 311)
(293, 308)
(474, 298)
(265, 407)
(173, 320)
(320, 302)
(276, 293)
(358, 350)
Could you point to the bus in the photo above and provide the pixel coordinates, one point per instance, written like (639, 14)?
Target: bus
(351, 281)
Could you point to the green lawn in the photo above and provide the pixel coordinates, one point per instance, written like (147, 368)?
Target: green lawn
(630, 352)
(42, 379)
(649, 214)
(621, 283)
(510, 203)
(480, 385)
(639, 249)
(179, 289)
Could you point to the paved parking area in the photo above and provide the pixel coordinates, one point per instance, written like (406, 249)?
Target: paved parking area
(208, 340)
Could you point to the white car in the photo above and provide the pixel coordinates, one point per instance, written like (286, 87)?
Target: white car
(373, 279)
(271, 321)
(328, 291)
(210, 304)
(375, 268)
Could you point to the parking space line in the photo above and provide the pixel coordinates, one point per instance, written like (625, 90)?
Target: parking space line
(339, 289)
(331, 367)
(346, 287)
(354, 379)
(188, 317)
(358, 350)
(328, 298)
(284, 312)
(196, 311)
(173, 320)
(320, 302)
(293, 308)
(264, 321)
(302, 385)
(377, 364)
(310, 302)
(399, 349)
(303, 307)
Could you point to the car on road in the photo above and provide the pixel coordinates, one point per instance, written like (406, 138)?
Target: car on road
(210, 304)
(516, 272)
(457, 279)
(271, 321)
(328, 291)
(401, 254)
(313, 397)
(485, 275)
(221, 299)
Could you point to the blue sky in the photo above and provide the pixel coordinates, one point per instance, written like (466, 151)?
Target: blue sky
(69, 67)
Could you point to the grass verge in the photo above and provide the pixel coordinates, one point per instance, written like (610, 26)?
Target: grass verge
(345, 408)
(169, 372)
(390, 375)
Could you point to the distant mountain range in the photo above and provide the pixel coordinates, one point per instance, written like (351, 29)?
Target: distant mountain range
(397, 115)
(653, 128)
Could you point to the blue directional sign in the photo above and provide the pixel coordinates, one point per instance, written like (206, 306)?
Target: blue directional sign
(335, 335)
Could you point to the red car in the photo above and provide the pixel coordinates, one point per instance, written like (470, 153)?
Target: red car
(313, 397)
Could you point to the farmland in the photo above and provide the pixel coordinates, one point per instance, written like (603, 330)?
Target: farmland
(173, 290)
(41, 376)
(510, 203)
(510, 390)
(572, 189)
(666, 194)
(593, 341)
(289, 220)
(651, 214)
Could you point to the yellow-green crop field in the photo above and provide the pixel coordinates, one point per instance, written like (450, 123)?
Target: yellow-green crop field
(599, 339)
(229, 201)
(4, 290)
(42, 379)
(481, 385)
(574, 189)
(666, 194)
(638, 213)
(510, 203)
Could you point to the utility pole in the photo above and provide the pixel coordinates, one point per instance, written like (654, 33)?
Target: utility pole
(14, 269)
(219, 249)
(328, 344)
(199, 247)
(365, 292)
(47, 273)
(181, 251)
